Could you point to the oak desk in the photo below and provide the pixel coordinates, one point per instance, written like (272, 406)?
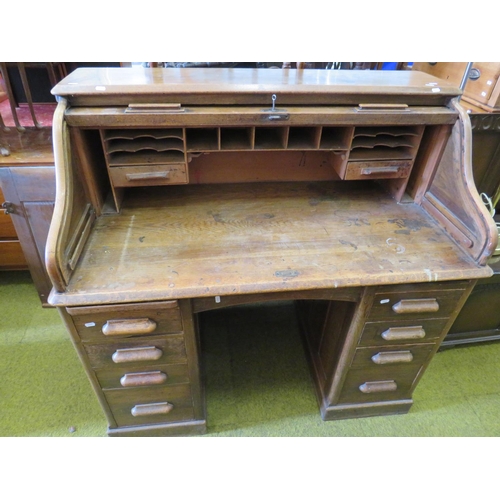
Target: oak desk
(180, 191)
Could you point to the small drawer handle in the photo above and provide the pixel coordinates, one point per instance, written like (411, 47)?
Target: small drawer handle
(387, 358)
(139, 326)
(147, 176)
(411, 306)
(378, 386)
(152, 409)
(379, 170)
(143, 378)
(404, 333)
(133, 354)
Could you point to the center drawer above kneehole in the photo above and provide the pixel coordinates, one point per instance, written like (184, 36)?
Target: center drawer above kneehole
(97, 323)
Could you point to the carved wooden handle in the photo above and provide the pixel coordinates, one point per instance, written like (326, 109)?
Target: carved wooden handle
(148, 176)
(404, 333)
(386, 358)
(133, 354)
(410, 306)
(138, 326)
(155, 108)
(152, 409)
(143, 378)
(378, 386)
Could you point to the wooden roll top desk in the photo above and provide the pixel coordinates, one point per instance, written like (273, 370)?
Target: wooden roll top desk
(184, 190)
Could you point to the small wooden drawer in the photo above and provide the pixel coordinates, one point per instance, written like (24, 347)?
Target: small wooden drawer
(378, 360)
(97, 323)
(402, 332)
(150, 405)
(149, 175)
(363, 170)
(133, 353)
(414, 305)
(154, 375)
(375, 384)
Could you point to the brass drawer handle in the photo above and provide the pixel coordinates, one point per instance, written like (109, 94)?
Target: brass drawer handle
(386, 358)
(148, 176)
(143, 378)
(379, 386)
(379, 170)
(411, 306)
(133, 354)
(152, 409)
(404, 333)
(139, 326)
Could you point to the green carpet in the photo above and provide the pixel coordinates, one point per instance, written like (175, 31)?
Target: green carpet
(258, 382)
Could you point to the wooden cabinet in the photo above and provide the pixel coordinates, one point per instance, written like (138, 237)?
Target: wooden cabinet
(11, 253)
(181, 191)
(27, 181)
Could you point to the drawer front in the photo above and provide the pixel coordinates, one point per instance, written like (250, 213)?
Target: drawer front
(370, 385)
(150, 376)
(148, 175)
(402, 332)
(378, 361)
(107, 322)
(363, 170)
(150, 405)
(414, 305)
(133, 353)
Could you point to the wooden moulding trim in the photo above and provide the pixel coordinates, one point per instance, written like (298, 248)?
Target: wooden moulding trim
(53, 249)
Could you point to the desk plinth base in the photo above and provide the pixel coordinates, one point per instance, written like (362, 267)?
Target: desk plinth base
(191, 428)
(346, 411)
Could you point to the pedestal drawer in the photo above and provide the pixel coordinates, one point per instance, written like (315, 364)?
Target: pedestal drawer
(116, 322)
(369, 385)
(414, 305)
(150, 405)
(382, 361)
(140, 352)
(154, 375)
(386, 333)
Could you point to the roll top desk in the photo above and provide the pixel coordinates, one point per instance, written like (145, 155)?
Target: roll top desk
(184, 190)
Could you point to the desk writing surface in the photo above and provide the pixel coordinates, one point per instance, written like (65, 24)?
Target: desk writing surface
(195, 241)
(251, 86)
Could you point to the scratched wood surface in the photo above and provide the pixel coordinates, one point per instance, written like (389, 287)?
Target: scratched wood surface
(195, 241)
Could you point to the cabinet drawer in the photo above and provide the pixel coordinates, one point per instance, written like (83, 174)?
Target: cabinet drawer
(363, 170)
(150, 405)
(376, 384)
(148, 175)
(414, 305)
(154, 376)
(402, 332)
(133, 353)
(378, 360)
(117, 322)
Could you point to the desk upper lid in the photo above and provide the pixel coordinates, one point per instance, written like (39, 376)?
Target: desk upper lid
(243, 86)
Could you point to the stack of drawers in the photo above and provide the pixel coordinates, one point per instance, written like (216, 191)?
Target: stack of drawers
(138, 358)
(402, 331)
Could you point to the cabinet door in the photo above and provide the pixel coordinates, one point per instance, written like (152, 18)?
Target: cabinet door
(31, 191)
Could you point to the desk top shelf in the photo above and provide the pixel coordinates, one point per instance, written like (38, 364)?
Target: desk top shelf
(194, 241)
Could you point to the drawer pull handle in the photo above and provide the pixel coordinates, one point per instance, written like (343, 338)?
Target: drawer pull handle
(387, 358)
(143, 378)
(148, 176)
(139, 326)
(379, 386)
(411, 306)
(152, 409)
(379, 170)
(404, 333)
(130, 355)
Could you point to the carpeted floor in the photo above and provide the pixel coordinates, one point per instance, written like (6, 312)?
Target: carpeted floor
(258, 382)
